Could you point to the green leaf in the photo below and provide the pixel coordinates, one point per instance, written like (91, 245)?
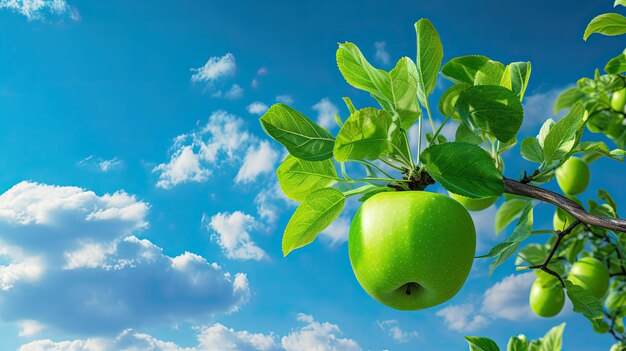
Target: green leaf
(349, 105)
(464, 169)
(318, 210)
(448, 99)
(607, 24)
(606, 197)
(508, 212)
(552, 341)
(520, 75)
(532, 253)
(491, 109)
(366, 135)
(517, 343)
(617, 64)
(302, 137)
(567, 98)
(429, 56)
(479, 343)
(598, 149)
(473, 70)
(619, 2)
(505, 249)
(362, 75)
(463, 134)
(563, 136)
(404, 81)
(584, 302)
(531, 150)
(298, 178)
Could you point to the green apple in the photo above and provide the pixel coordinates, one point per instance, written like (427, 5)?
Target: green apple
(562, 219)
(547, 297)
(573, 176)
(474, 204)
(618, 100)
(411, 250)
(590, 274)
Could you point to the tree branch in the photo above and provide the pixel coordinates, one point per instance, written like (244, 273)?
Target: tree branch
(571, 207)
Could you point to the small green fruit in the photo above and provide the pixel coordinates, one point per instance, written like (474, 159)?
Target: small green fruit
(590, 274)
(618, 100)
(411, 250)
(474, 204)
(547, 297)
(562, 219)
(573, 176)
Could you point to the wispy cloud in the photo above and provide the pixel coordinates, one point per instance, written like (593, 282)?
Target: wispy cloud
(462, 318)
(392, 327)
(214, 72)
(259, 73)
(41, 10)
(101, 165)
(381, 54)
(215, 68)
(285, 99)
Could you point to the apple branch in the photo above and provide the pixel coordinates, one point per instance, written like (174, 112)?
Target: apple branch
(577, 211)
(560, 235)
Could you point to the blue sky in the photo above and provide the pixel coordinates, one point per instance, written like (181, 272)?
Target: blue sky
(139, 206)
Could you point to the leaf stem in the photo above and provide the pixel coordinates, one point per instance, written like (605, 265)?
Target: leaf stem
(439, 129)
(375, 166)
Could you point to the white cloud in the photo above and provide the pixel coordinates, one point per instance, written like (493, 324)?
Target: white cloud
(313, 336)
(184, 166)
(539, 107)
(508, 299)
(285, 99)
(259, 73)
(232, 233)
(48, 236)
(337, 232)
(257, 108)
(193, 156)
(215, 68)
(235, 92)
(101, 165)
(29, 328)
(326, 112)
(41, 9)
(462, 318)
(220, 338)
(259, 159)
(381, 54)
(392, 328)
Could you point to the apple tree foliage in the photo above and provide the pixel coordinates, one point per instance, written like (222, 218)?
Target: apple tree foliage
(372, 153)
